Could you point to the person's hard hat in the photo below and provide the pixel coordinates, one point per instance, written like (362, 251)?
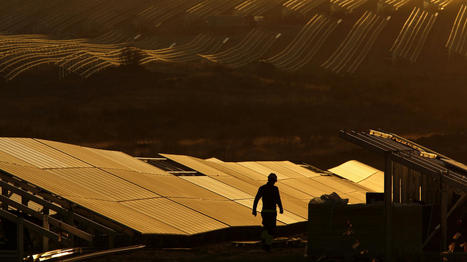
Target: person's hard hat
(272, 177)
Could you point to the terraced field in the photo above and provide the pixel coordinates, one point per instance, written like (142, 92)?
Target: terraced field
(88, 36)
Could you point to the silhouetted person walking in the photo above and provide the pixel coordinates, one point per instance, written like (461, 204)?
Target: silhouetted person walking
(271, 197)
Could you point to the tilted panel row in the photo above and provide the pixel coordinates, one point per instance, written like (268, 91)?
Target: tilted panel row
(354, 171)
(396, 4)
(185, 53)
(250, 49)
(457, 41)
(208, 8)
(306, 44)
(413, 35)
(257, 7)
(357, 44)
(303, 6)
(348, 5)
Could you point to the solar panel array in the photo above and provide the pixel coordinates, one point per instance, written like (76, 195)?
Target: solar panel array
(361, 174)
(150, 200)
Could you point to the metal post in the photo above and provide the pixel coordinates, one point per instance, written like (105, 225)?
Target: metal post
(444, 211)
(69, 219)
(24, 201)
(20, 238)
(45, 224)
(388, 170)
(4, 193)
(111, 240)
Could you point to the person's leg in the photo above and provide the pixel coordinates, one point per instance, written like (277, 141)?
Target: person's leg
(264, 233)
(269, 223)
(273, 224)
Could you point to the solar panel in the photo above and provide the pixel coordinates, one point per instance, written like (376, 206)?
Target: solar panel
(278, 169)
(339, 184)
(7, 158)
(286, 218)
(151, 200)
(286, 186)
(128, 161)
(354, 171)
(104, 183)
(168, 186)
(196, 164)
(262, 169)
(128, 216)
(218, 187)
(239, 171)
(307, 186)
(293, 204)
(229, 212)
(299, 169)
(374, 182)
(176, 215)
(250, 187)
(84, 154)
(169, 166)
(51, 182)
(37, 154)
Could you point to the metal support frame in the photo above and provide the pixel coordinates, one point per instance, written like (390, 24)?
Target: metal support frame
(438, 181)
(14, 218)
(459, 202)
(403, 156)
(20, 238)
(55, 222)
(29, 193)
(45, 225)
(48, 200)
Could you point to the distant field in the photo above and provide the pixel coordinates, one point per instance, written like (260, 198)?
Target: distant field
(169, 76)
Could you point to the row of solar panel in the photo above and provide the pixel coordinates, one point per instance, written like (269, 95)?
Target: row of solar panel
(152, 201)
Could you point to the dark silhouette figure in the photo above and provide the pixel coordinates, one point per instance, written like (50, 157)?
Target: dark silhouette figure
(271, 197)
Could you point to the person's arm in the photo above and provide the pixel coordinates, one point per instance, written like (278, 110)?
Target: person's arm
(279, 202)
(255, 203)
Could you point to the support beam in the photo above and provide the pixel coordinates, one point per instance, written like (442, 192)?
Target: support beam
(53, 221)
(24, 201)
(45, 240)
(459, 202)
(9, 216)
(111, 243)
(20, 238)
(69, 220)
(6, 177)
(388, 170)
(4, 193)
(56, 208)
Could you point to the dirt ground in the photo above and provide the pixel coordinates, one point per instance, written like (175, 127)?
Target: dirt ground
(220, 252)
